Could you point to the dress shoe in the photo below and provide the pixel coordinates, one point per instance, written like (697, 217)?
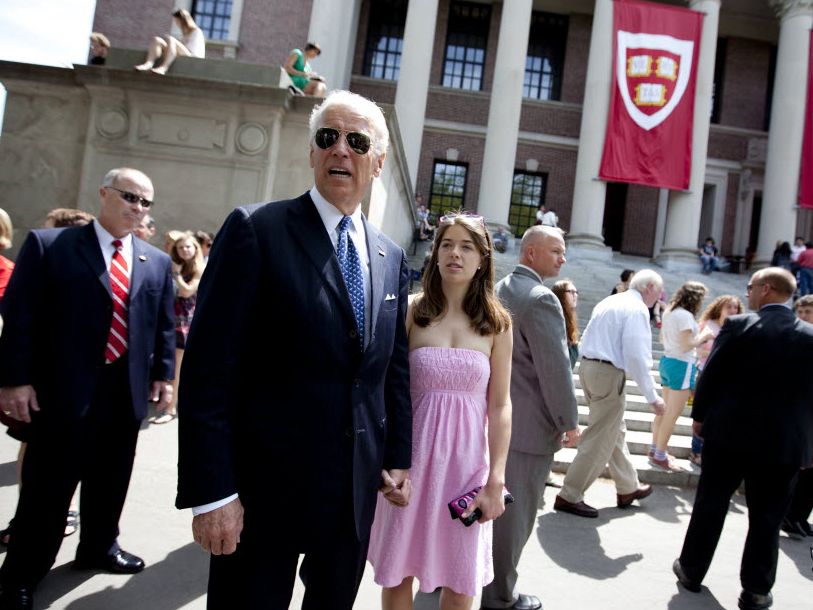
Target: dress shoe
(688, 583)
(524, 602)
(16, 599)
(754, 601)
(579, 508)
(120, 562)
(642, 492)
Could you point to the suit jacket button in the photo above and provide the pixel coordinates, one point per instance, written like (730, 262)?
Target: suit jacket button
(349, 431)
(356, 383)
(353, 334)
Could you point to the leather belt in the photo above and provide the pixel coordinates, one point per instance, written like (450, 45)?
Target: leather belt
(598, 360)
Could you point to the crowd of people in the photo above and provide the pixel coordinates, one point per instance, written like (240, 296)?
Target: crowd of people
(411, 409)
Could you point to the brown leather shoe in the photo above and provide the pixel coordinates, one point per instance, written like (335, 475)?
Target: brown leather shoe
(579, 508)
(625, 500)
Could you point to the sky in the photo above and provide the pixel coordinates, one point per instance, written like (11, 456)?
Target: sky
(48, 32)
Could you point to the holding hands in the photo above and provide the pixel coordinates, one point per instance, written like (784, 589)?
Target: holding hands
(396, 486)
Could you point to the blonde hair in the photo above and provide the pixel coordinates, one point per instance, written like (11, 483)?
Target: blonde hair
(193, 267)
(716, 307)
(6, 231)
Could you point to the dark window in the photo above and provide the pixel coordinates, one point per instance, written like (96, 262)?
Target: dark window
(213, 17)
(448, 187)
(546, 57)
(719, 75)
(766, 123)
(466, 41)
(385, 37)
(527, 194)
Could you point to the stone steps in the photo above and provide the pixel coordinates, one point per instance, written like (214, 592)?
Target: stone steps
(646, 472)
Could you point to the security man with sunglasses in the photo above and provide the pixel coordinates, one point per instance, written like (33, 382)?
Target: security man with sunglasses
(89, 339)
(295, 406)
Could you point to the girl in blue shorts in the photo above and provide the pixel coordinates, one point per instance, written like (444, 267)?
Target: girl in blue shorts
(680, 337)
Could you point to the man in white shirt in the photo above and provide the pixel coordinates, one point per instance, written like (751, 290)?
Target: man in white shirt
(617, 339)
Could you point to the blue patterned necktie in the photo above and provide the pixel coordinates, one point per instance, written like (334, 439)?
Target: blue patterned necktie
(351, 270)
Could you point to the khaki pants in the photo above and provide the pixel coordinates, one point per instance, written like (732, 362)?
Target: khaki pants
(603, 441)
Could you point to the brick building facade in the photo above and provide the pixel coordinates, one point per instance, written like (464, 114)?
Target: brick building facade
(732, 206)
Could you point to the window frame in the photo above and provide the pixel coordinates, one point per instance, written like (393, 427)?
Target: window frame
(548, 38)
(393, 25)
(467, 33)
(515, 226)
(440, 209)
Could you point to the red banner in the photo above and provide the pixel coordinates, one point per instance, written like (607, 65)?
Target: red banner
(649, 128)
(806, 186)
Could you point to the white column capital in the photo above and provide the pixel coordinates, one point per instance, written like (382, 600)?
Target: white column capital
(786, 9)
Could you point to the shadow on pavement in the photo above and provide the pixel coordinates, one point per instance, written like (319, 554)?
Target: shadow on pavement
(800, 551)
(171, 583)
(574, 544)
(686, 600)
(8, 474)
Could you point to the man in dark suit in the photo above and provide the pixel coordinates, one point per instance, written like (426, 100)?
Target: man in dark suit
(760, 433)
(295, 403)
(89, 337)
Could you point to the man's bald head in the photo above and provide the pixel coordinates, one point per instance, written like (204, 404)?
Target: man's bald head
(543, 249)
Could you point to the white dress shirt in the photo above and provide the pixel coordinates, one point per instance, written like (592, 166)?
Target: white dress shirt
(619, 333)
(331, 216)
(108, 249)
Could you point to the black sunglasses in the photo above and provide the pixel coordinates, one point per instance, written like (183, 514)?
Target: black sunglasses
(326, 137)
(131, 198)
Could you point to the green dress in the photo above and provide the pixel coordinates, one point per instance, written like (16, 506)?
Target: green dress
(302, 66)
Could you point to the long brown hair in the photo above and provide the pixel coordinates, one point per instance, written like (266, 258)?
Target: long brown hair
(481, 305)
(194, 266)
(560, 289)
(714, 310)
(689, 296)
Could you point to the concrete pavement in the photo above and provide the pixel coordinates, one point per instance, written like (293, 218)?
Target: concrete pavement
(622, 560)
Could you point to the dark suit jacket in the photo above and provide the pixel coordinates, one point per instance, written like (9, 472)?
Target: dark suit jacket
(756, 390)
(276, 400)
(57, 313)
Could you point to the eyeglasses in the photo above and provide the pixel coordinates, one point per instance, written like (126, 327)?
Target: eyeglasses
(451, 217)
(132, 198)
(574, 292)
(358, 142)
(750, 287)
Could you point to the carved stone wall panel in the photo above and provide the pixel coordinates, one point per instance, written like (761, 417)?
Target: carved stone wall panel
(251, 138)
(112, 123)
(757, 150)
(184, 131)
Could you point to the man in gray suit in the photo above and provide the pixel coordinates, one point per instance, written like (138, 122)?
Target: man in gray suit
(544, 404)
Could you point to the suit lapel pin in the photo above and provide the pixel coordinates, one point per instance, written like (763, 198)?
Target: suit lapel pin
(141, 257)
(381, 253)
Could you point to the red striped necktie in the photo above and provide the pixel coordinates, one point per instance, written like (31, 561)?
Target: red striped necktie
(120, 283)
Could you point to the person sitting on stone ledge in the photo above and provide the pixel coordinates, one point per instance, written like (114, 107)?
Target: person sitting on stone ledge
(192, 44)
(500, 240)
(298, 68)
(100, 45)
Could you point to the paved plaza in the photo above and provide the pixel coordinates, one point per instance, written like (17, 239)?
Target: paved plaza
(622, 560)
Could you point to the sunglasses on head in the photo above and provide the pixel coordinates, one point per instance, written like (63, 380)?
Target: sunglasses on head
(451, 217)
(358, 142)
(131, 197)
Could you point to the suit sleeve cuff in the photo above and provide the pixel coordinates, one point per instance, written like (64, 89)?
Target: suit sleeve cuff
(207, 508)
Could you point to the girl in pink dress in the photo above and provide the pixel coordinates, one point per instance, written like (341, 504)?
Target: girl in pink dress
(460, 345)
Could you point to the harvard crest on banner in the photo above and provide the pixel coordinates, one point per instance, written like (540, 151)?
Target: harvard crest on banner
(649, 128)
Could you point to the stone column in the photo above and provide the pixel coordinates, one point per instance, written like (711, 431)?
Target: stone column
(781, 190)
(660, 223)
(504, 111)
(680, 243)
(336, 61)
(413, 78)
(585, 239)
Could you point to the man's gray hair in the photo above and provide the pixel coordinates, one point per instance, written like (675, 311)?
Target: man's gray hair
(111, 177)
(367, 108)
(644, 278)
(535, 232)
